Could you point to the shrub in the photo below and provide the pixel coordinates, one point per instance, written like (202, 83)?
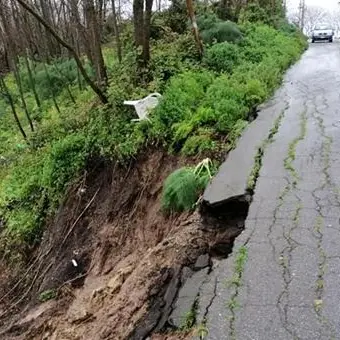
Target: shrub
(220, 32)
(255, 14)
(229, 112)
(182, 188)
(48, 294)
(170, 58)
(254, 93)
(207, 21)
(179, 101)
(59, 74)
(22, 200)
(222, 57)
(22, 226)
(199, 143)
(201, 117)
(65, 159)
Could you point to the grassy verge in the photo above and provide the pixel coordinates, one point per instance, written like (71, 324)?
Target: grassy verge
(205, 107)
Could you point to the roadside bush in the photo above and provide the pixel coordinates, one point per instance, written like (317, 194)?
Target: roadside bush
(201, 111)
(181, 190)
(220, 32)
(207, 21)
(222, 57)
(254, 93)
(255, 13)
(170, 58)
(180, 99)
(200, 143)
(215, 30)
(183, 187)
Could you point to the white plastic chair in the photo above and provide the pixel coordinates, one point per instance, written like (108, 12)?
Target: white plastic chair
(143, 106)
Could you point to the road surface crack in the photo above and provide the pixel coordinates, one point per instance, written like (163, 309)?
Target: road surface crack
(286, 254)
(318, 227)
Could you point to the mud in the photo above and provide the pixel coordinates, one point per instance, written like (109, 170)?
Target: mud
(130, 259)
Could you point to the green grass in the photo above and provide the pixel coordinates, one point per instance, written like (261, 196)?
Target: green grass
(46, 295)
(183, 187)
(254, 174)
(203, 112)
(288, 161)
(241, 258)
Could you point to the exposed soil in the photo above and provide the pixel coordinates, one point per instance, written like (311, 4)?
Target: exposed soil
(128, 256)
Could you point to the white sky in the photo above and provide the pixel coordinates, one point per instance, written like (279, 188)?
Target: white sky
(327, 4)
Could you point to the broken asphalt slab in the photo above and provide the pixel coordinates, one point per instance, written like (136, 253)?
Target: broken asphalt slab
(282, 279)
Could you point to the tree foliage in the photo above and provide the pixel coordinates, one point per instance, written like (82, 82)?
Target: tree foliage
(205, 106)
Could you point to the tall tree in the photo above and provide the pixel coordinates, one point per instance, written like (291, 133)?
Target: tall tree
(192, 17)
(142, 22)
(95, 41)
(116, 31)
(7, 38)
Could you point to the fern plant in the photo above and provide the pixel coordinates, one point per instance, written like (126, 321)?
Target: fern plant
(183, 187)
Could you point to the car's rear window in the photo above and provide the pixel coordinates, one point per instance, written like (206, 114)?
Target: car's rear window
(322, 27)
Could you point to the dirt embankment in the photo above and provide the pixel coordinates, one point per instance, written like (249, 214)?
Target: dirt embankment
(128, 258)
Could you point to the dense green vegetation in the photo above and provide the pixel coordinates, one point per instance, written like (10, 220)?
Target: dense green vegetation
(206, 105)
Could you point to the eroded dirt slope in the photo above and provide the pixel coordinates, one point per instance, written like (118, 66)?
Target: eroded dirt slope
(128, 254)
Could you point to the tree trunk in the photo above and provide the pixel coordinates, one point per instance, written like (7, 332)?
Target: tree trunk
(138, 21)
(4, 87)
(32, 81)
(94, 87)
(116, 31)
(21, 92)
(192, 17)
(53, 95)
(95, 39)
(147, 24)
(49, 43)
(81, 31)
(9, 45)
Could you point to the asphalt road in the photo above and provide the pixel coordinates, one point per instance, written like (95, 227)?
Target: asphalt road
(282, 281)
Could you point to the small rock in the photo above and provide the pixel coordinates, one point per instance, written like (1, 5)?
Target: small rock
(115, 283)
(81, 317)
(97, 292)
(202, 262)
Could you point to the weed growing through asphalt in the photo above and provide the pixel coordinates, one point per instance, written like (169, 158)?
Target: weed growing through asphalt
(189, 318)
(288, 161)
(255, 171)
(240, 261)
(201, 330)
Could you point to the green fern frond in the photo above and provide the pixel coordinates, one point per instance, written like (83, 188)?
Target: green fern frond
(183, 187)
(180, 190)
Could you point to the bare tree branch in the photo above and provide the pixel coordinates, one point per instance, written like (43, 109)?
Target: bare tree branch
(62, 42)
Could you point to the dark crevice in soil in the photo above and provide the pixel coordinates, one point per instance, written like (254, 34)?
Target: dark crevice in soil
(221, 224)
(232, 212)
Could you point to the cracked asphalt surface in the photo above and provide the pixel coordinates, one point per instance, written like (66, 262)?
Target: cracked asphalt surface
(289, 286)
